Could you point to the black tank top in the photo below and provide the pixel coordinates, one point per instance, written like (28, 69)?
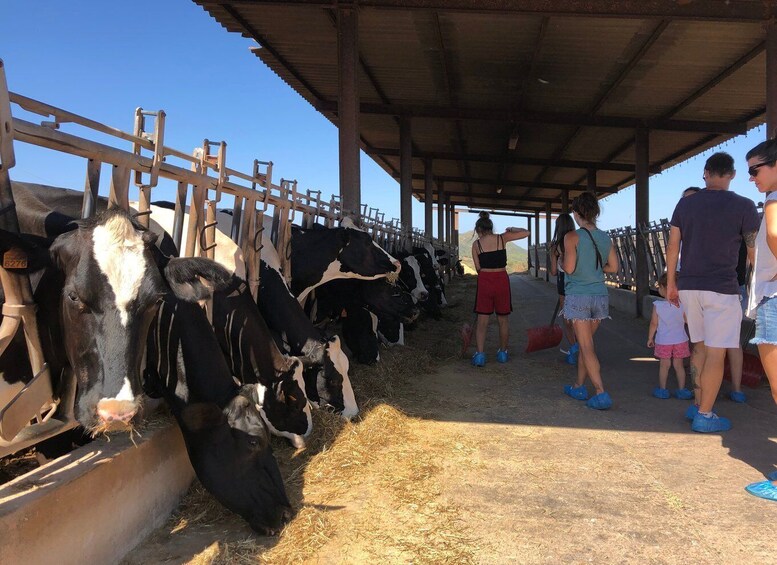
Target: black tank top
(493, 259)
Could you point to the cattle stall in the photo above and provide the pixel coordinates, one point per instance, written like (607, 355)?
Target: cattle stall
(134, 168)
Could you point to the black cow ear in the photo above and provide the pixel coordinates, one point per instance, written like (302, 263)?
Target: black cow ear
(202, 416)
(195, 278)
(149, 238)
(23, 253)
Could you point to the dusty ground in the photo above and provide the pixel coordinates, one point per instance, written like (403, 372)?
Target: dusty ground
(448, 464)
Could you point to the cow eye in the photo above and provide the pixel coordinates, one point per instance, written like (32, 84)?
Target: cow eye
(73, 296)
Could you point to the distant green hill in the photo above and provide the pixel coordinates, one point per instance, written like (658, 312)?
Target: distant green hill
(517, 259)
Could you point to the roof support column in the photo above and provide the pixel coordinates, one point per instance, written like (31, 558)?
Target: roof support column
(642, 212)
(537, 244)
(428, 198)
(448, 221)
(591, 178)
(455, 229)
(565, 202)
(440, 212)
(771, 79)
(547, 241)
(348, 108)
(528, 244)
(405, 174)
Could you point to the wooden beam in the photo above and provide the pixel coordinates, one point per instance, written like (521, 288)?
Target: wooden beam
(513, 160)
(523, 184)
(544, 118)
(709, 10)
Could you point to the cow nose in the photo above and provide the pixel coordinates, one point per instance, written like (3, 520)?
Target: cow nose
(423, 295)
(113, 410)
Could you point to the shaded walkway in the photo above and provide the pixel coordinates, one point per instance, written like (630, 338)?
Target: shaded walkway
(553, 481)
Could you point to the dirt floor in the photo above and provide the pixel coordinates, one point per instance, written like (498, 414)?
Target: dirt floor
(451, 464)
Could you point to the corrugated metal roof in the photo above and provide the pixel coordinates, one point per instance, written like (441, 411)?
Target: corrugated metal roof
(563, 75)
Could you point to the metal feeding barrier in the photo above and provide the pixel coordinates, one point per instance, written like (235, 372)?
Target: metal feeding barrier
(655, 239)
(37, 410)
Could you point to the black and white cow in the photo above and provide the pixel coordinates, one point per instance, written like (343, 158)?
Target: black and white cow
(286, 417)
(99, 295)
(319, 255)
(247, 342)
(221, 424)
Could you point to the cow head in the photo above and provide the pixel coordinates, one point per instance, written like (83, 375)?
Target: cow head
(236, 465)
(410, 279)
(284, 405)
(362, 256)
(326, 377)
(109, 294)
(389, 301)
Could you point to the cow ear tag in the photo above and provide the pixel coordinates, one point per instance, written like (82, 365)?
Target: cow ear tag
(15, 258)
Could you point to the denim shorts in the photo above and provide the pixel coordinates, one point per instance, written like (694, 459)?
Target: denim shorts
(766, 322)
(586, 307)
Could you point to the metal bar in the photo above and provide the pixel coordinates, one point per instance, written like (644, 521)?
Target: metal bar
(642, 213)
(180, 211)
(528, 184)
(119, 192)
(771, 80)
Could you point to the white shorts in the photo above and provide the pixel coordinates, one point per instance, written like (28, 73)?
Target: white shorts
(712, 317)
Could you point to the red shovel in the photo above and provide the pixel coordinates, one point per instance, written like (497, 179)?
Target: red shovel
(545, 337)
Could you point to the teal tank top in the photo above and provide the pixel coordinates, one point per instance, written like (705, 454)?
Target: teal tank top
(588, 279)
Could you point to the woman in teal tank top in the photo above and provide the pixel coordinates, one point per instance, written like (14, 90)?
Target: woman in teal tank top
(588, 254)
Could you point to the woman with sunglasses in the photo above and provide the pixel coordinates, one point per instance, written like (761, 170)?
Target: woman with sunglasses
(762, 304)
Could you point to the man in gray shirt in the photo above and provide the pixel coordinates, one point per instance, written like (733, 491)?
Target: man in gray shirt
(710, 226)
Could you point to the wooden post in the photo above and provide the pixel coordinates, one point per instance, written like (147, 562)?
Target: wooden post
(565, 202)
(119, 192)
(537, 244)
(348, 107)
(547, 241)
(91, 186)
(440, 213)
(591, 181)
(642, 198)
(428, 198)
(406, 176)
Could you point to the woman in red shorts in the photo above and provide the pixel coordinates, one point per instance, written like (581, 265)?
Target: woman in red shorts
(493, 294)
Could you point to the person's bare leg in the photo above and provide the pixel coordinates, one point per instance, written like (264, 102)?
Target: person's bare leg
(585, 330)
(698, 355)
(735, 359)
(679, 370)
(504, 331)
(663, 371)
(768, 354)
(711, 377)
(569, 330)
(480, 331)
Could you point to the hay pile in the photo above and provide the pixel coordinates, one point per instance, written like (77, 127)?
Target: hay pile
(367, 490)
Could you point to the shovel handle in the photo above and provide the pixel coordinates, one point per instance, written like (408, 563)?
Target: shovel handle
(555, 312)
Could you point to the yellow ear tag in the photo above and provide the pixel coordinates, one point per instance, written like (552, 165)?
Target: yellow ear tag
(14, 258)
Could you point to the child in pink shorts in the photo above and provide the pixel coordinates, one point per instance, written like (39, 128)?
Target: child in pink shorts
(667, 334)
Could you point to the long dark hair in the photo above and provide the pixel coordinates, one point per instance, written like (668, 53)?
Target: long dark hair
(564, 225)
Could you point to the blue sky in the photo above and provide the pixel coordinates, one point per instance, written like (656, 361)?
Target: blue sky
(172, 55)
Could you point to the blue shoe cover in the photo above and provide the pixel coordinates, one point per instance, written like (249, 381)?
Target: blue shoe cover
(764, 489)
(661, 393)
(578, 393)
(737, 396)
(710, 424)
(502, 356)
(479, 359)
(683, 394)
(573, 353)
(601, 401)
(690, 414)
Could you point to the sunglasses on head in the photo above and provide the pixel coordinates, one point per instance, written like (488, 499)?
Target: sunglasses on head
(753, 171)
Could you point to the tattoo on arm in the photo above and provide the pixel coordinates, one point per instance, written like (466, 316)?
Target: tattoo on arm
(750, 238)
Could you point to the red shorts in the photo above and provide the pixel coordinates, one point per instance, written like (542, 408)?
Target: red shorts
(674, 351)
(493, 294)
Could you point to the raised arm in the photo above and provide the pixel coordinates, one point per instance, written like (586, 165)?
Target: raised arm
(511, 234)
(770, 219)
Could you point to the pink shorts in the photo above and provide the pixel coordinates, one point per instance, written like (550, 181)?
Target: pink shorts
(674, 351)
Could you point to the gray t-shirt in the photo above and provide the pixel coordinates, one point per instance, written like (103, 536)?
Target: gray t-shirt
(712, 224)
